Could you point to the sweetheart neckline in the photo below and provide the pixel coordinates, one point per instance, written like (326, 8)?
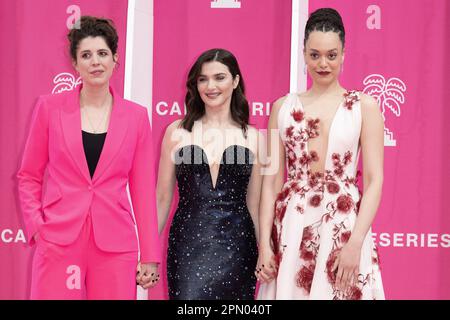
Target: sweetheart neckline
(214, 186)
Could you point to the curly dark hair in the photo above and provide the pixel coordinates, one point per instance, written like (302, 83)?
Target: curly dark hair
(93, 27)
(325, 19)
(195, 107)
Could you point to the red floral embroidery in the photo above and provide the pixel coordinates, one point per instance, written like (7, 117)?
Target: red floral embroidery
(280, 206)
(333, 187)
(334, 181)
(315, 200)
(280, 211)
(340, 238)
(314, 156)
(314, 179)
(308, 234)
(331, 209)
(291, 158)
(376, 257)
(305, 278)
(344, 203)
(307, 250)
(283, 194)
(336, 157)
(305, 184)
(276, 244)
(350, 98)
(347, 158)
(339, 171)
(345, 236)
(355, 293)
(290, 132)
(312, 128)
(331, 274)
(338, 164)
(341, 235)
(306, 158)
(278, 258)
(294, 186)
(297, 115)
(358, 205)
(308, 253)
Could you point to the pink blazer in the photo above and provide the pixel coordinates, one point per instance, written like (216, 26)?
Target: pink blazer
(55, 144)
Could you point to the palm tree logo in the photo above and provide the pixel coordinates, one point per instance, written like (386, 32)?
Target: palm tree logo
(225, 4)
(65, 82)
(389, 95)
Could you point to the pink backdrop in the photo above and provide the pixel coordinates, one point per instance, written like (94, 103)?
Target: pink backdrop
(34, 51)
(258, 34)
(395, 50)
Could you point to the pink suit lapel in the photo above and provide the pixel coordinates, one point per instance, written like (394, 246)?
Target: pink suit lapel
(117, 129)
(71, 125)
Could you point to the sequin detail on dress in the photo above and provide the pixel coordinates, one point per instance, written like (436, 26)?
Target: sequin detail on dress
(212, 250)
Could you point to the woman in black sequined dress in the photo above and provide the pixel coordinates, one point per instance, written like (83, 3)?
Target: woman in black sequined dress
(213, 155)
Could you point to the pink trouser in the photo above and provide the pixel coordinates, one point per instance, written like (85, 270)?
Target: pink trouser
(81, 270)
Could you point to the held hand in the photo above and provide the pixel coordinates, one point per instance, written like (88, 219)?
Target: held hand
(147, 275)
(266, 268)
(347, 265)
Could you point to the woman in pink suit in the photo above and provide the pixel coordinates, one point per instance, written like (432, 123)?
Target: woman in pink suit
(91, 143)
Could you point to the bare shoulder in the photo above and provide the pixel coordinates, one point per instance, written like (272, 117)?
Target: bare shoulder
(252, 138)
(174, 132)
(252, 130)
(276, 106)
(253, 134)
(278, 103)
(174, 126)
(368, 103)
(370, 111)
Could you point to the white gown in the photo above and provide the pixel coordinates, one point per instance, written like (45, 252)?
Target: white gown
(316, 213)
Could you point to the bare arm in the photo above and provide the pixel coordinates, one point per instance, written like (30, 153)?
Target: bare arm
(254, 186)
(273, 176)
(166, 177)
(273, 179)
(372, 146)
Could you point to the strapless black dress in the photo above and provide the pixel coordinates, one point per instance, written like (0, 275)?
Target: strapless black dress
(212, 251)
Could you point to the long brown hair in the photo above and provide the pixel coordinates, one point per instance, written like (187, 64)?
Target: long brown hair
(195, 107)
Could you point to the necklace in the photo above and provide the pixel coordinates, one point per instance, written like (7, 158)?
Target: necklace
(96, 128)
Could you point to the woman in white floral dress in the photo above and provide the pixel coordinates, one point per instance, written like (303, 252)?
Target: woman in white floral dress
(315, 234)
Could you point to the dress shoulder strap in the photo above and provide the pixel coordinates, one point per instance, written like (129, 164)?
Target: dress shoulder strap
(288, 104)
(351, 98)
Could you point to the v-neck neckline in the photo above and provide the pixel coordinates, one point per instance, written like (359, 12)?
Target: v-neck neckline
(333, 120)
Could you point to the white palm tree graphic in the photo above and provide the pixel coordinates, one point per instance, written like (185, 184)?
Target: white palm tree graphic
(389, 94)
(225, 4)
(65, 82)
